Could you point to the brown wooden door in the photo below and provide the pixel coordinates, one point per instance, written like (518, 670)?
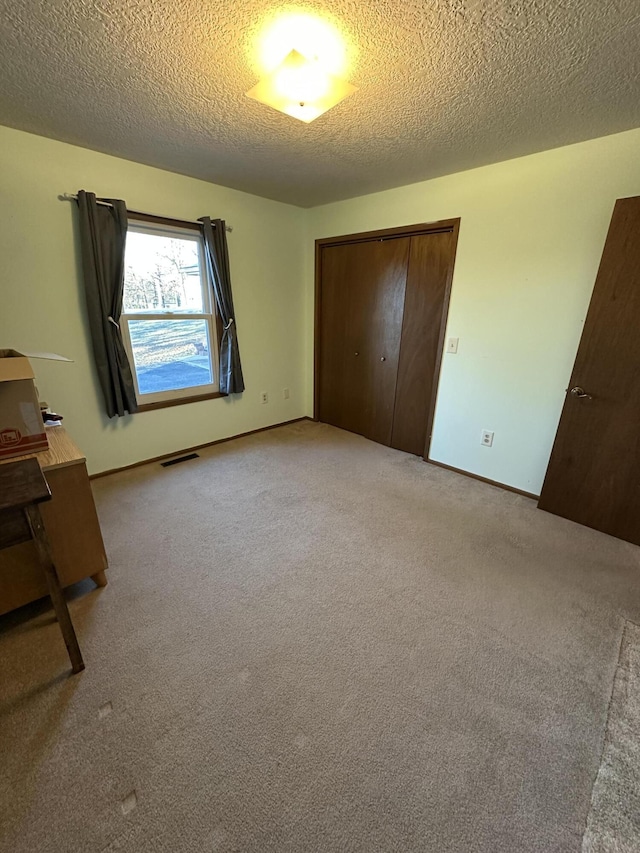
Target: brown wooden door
(426, 301)
(362, 302)
(594, 471)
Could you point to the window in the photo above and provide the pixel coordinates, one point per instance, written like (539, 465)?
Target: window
(168, 321)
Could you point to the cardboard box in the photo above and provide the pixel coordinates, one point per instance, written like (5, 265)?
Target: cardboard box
(21, 426)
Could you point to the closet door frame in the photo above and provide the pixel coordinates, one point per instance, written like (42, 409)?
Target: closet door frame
(443, 225)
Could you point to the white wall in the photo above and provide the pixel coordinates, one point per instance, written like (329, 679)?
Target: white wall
(42, 304)
(531, 236)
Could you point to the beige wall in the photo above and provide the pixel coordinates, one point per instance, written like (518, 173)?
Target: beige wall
(42, 306)
(531, 237)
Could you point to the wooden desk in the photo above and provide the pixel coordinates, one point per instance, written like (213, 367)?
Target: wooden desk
(72, 526)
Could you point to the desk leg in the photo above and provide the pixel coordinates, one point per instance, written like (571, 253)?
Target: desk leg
(100, 578)
(59, 604)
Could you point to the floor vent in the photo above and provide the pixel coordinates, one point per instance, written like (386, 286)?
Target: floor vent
(180, 459)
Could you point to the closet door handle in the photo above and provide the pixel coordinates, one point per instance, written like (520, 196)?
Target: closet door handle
(383, 359)
(356, 353)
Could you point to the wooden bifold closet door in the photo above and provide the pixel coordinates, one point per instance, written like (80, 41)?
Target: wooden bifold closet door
(380, 315)
(363, 287)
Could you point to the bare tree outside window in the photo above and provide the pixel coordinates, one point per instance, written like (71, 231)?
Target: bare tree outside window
(161, 280)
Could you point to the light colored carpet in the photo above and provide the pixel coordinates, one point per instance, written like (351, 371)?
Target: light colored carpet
(613, 825)
(311, 642)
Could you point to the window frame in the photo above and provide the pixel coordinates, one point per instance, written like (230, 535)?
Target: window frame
(146, 223)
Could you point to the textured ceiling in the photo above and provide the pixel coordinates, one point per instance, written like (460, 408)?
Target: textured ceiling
(443, 85)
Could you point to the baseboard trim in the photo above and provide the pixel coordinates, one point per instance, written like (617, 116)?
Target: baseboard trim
(484, 479)
(286, 423)
(196, 447)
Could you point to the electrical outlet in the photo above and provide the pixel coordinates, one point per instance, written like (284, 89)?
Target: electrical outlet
(285, 393)
(487, 438)
(264, 397)
(452, 345)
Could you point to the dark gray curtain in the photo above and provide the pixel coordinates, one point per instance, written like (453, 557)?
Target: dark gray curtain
(217, 254)
(103, 233)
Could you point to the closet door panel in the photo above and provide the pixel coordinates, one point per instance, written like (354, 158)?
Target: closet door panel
(337, 366)
(430, 263)
(377, 316)
(362, 302)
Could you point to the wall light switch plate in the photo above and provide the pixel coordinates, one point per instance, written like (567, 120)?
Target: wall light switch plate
(452, 344)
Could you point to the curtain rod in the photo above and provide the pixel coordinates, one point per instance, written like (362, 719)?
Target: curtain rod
(74, 197)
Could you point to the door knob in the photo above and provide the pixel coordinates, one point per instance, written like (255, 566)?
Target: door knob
(580, 393)
(383, 359)
(356, 353)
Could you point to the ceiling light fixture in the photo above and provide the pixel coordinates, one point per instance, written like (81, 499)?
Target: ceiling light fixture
(301, 88)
